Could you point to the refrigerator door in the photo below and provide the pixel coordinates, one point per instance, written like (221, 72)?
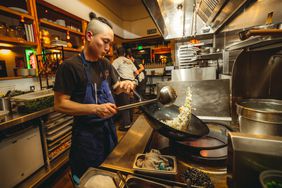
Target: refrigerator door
(20, 156)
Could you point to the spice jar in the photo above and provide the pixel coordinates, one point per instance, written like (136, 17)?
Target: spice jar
(20, 32)
(3, 29)
(12, 31)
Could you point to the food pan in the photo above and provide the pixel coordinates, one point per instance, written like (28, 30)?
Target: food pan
(33, 95)
(32, 102)
(91, 172)
(137, 182)
(171, 160)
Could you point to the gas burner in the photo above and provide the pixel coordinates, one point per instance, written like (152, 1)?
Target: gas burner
(210, 148)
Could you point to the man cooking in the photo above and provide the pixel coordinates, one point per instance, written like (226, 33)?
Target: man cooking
(83, 88)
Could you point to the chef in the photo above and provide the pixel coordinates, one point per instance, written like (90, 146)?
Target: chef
(83, 88)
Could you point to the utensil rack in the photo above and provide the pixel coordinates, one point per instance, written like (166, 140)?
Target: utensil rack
(48, 63)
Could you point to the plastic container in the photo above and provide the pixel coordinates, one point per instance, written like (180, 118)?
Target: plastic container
(271, 179)
(32, 72)
(34, 101)
(22, 72)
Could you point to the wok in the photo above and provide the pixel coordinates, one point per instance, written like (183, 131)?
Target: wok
(157, 112)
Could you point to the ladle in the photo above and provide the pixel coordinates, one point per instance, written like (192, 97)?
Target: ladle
(167, 96)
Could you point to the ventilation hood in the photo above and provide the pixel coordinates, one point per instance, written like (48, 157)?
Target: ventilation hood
(185, 18)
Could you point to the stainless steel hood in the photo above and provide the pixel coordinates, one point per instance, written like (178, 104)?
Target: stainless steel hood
(184, 18)
(174, 18)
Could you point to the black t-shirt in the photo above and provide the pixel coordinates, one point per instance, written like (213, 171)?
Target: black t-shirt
(71, 77)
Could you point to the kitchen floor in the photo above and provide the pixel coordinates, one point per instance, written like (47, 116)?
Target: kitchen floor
(61, 179)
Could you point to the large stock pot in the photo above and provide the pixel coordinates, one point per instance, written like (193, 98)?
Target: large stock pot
(260, 116)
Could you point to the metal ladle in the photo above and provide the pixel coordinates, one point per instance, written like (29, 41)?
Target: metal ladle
(167, 96)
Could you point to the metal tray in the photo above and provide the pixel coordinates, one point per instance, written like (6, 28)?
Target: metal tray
(60, 133)
(136, 182)
(172, 162)
(55, 142)
(60, 126)
(33, 95)
(51, 125)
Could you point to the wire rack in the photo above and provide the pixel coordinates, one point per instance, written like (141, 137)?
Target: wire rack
(48, 63)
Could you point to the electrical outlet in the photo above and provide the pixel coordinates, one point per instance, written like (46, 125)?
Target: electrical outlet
(32, 88)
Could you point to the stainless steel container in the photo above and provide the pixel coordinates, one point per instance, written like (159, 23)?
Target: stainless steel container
(249, 155)
(260, 116)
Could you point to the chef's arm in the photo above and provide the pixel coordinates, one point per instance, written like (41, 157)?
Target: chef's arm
(62, 103)
(141, 68)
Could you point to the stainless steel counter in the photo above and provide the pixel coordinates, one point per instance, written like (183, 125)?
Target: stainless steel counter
(15, 119)
(135, 141)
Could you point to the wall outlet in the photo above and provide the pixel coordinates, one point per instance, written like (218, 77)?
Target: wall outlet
(32, 88)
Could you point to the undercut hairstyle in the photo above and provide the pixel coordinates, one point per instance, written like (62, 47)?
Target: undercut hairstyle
(92, 16)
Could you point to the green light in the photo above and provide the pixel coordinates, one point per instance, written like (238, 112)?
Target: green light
(30, 58)
(139, 47)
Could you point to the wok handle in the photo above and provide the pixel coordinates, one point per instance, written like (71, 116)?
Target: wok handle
(129, 106)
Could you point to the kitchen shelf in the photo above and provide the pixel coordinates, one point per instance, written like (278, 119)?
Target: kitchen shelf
(64, 48)
(59, 140)
(14, 12)
(257, 43)
(58, 143)
(61, 151)
(18, 41)
(209, 56)
(57, 26)
(15, 77)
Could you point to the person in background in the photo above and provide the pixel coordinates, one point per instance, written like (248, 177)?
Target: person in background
(83, 88)
(139, 74)
(126, 70)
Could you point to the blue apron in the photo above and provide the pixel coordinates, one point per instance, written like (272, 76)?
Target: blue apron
(93, 138)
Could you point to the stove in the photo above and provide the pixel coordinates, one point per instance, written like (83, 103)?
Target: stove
(208, 153)
(212, 147)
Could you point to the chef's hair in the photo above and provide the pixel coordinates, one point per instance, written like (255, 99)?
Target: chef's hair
(93, 16)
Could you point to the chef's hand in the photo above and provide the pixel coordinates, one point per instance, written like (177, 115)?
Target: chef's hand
(127, 86)
(106, 110)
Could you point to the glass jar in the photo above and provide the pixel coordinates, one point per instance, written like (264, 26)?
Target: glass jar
(12, 31)
(20, 31)
(3, 29)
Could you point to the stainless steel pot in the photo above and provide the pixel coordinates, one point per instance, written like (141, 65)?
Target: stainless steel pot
(260, 116)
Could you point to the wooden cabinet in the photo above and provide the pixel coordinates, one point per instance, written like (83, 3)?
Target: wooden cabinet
(61, 27)
(24, 24)
(18, 23)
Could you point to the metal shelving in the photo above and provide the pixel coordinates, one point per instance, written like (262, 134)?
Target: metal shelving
(57, 130)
